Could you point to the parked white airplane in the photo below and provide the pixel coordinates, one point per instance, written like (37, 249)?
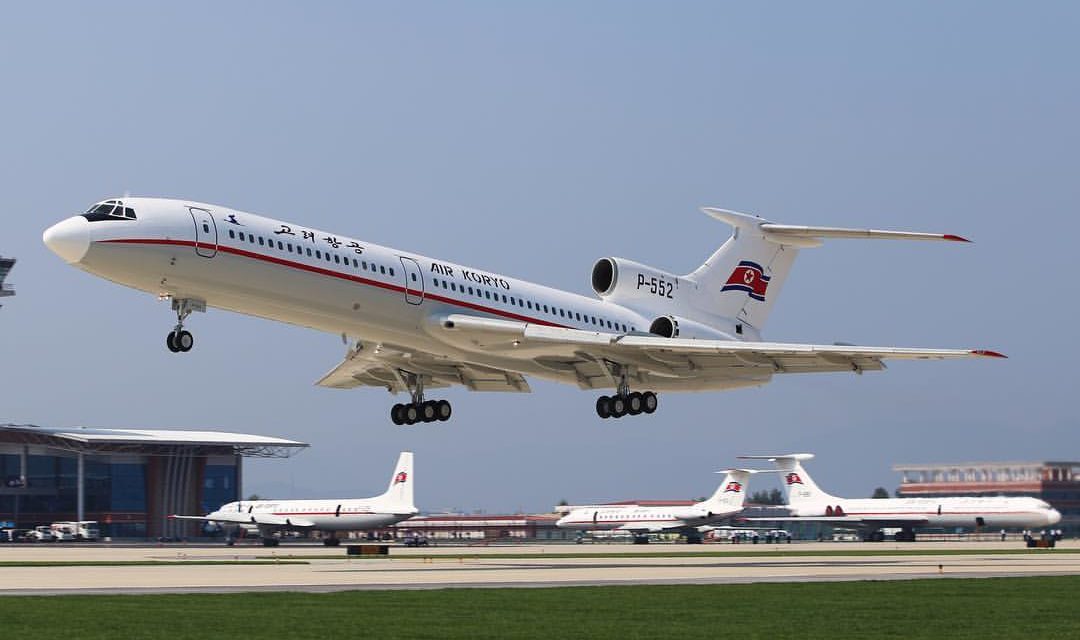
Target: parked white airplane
(807, 502)
(267, 516)
(643, 520)
(425, 323)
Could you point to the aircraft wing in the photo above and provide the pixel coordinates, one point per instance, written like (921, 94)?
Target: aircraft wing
(646, 528)
(264, 519)
(651, 359)
(381, 365)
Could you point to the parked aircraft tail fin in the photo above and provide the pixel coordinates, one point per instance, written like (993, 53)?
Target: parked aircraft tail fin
(730, 496)
(400, 491)
(800, 490)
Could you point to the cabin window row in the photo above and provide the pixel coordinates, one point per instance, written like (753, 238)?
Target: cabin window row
(318, 254)
(529, 304)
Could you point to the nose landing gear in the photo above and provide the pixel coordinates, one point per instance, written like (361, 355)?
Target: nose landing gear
(179, 340)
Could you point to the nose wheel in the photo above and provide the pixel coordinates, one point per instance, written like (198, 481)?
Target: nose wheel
(419, 410)
(179, 340)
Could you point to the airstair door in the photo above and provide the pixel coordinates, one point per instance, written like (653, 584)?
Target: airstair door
(206, 240)
(414, 281)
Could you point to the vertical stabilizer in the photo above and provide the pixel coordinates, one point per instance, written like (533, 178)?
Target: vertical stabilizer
(803, 495)
(399, 494)
(742, 279)
(730, 496)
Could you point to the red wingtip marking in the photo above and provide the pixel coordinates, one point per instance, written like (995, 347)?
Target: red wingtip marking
(988, 353)
(949, 236)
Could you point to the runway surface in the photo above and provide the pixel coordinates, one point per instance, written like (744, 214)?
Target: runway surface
(326, 569)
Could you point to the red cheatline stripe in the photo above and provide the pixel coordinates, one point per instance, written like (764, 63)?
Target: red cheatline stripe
(336, 274)
(988, 353)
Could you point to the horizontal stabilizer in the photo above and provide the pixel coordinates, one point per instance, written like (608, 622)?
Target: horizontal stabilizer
(783, 456)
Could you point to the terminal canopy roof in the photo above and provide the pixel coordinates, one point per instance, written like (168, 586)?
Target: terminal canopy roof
(150, 441)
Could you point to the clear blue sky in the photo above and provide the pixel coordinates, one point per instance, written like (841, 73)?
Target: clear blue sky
(532, 139)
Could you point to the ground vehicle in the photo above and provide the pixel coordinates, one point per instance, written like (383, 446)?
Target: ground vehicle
(75, 530)
(12, 535)
(40, 534)
(416, 541)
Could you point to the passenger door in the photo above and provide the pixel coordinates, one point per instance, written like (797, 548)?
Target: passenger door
(206, 240)
(414, 281)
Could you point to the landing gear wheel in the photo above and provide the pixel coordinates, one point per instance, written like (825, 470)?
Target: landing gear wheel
(603, 407)
(427, 411)
(411, 414)
(443, 410)
(617, 406)
(184, 341)
(633, 403)
(648, 402)
(170, 342)
(397, 414)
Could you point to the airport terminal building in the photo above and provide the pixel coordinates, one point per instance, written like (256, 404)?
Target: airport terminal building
(128, 480)
(1055, 482)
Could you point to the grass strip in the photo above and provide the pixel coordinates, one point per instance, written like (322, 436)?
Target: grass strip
(933, 608)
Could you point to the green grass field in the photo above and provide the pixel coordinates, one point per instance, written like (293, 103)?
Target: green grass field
(939, 608)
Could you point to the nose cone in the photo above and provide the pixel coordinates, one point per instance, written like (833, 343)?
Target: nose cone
(69, 239)
(1053, 516)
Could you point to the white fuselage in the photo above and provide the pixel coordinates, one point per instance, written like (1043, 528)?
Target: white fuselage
(296, 274)
(637, 517)
(990, 512)
(326, 515)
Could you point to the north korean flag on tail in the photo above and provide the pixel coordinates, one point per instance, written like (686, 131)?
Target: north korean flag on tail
(749, 277)
(401, 477)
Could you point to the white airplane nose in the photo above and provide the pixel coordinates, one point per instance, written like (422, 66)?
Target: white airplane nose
(1053, 516)
(69, 239)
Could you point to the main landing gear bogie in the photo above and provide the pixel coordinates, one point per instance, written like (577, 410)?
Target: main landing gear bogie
(619, 405)
(419, 410)
(427, 411)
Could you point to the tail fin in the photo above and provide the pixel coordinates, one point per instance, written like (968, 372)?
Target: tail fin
(800, 490)
(731, 494)
(742, 279)
(400, 492)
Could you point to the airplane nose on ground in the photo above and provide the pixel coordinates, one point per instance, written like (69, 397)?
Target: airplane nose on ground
(1053, 516)
(69, 239)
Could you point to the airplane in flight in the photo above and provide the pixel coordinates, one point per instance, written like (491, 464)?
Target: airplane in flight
(809, 503)
(422, 323)
(642, 520)
(268, 516)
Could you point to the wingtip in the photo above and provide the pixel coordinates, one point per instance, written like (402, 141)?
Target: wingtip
(987, 353)
(955, 238)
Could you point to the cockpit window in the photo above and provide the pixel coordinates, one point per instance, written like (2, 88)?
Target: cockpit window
(109, 210)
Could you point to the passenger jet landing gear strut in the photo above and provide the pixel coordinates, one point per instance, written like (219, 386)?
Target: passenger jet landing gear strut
(419, 410)
(178, 339)
(625, 402)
